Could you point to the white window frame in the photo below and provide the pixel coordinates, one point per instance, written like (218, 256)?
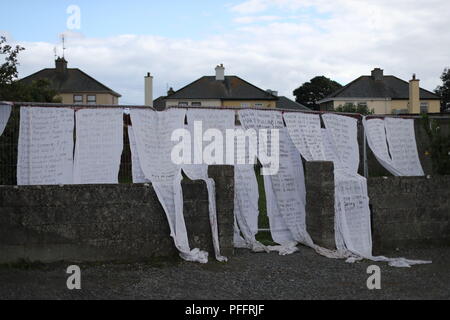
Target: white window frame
(424, 104)
(92, 102)
(75, 99)
(196, 104)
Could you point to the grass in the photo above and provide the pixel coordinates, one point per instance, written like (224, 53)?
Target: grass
(263, 222)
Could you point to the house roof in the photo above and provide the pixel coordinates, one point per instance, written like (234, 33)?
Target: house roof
(389, 87)
(286, 103)
(73, 80)
(159, 103)
(232, 88)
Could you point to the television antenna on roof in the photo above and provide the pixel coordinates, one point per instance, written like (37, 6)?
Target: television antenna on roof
(63, 44)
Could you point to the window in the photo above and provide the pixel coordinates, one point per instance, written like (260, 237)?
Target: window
(78, 99)
(92, 99)
(196, 104)
(424, 107)
(245, 105)
(258, 105)
(362, 104)
(183, 104)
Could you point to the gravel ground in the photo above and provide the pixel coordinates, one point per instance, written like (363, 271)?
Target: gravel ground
(303, 275)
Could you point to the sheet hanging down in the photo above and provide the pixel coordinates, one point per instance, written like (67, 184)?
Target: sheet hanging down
(268, 120)
(376, 138)
(352, 213)
(206, 120)
(285, 189)
(45, 149)
(246, 193)
(136, 170)
(344, 133)
(153, 133)
(5, 112)
(403, 147)
(99, 145)
(305, 132)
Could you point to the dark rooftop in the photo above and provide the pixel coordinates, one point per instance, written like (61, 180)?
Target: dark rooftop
(65, 80)
(286, 103)
(232, 88)
(379, 86)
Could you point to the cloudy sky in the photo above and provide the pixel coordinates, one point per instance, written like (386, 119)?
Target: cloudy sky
(276, 44)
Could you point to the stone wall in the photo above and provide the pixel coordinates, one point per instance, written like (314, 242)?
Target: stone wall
(107, 222)
(319, 178)
(406, 211)
(410, 212)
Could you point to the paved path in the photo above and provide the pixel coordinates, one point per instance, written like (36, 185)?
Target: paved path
(303, 275)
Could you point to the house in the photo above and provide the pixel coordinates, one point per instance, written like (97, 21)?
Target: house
(385, 94)
(74, 86)
(221, 91)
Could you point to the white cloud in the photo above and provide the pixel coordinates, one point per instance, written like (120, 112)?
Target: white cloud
(251, 6)
(402, 37)
(253, 19)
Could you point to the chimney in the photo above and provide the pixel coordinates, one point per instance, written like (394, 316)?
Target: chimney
(272, 92)
(377, 74)
(220, 73)
(414, 95)
(170, 91)
(149, 90)
(61, 65)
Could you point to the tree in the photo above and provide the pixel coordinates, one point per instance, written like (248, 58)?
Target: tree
(316, 89)
(352, 108)
(13, 90)
(444, 90)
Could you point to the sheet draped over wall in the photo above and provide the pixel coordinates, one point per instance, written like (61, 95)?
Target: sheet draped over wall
(375, 132)
(246, 196)
(210, 119)
(352, 212)
(403, 147)
(257, 120)
(305, 132)
(5, 112)
(285, 190)
(99, 146)
(344, 132)
(136, 170)
(45, 149)
(153, 132)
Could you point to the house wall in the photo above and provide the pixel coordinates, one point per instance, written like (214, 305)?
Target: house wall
(250, 103)
(386, 106)
(102, 98)
(205, 103)
(224, 103)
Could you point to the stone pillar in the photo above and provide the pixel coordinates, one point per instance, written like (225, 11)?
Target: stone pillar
(224, 179)
(319, 180)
